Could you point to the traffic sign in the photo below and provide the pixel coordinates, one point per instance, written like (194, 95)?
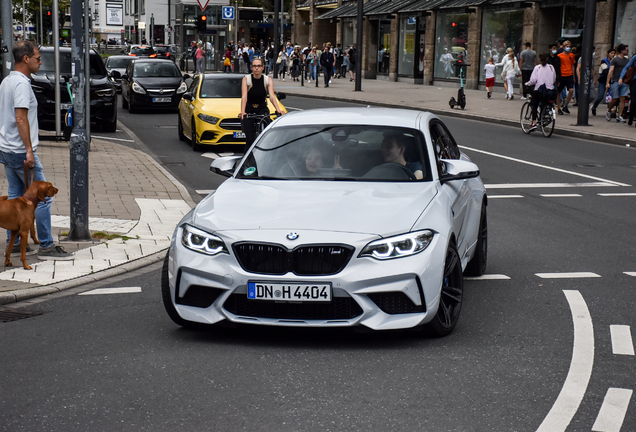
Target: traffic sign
(203, 4)
(228, 12)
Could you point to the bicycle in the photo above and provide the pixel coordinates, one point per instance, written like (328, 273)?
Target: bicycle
(261, 121)
(546, 117)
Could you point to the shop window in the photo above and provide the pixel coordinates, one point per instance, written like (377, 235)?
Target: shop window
(407, 46)
(500, 30)
(348, 34)
(573, 24)
(625, 23)
(384, 46)
(451, 42)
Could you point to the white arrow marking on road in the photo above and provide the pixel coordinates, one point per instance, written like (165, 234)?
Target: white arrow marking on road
(578, 377)
(123, 290)
(621, 340)
(610, 417)
(488, 277)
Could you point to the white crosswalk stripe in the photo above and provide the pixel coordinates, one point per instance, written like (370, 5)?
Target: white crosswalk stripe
(621, 336)
(122, 290)
(610, 417)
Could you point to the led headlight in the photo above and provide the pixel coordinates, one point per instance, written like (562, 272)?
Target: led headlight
(200, 241)
(399, 246)
(208, 119)
(182, 88)
(105, 93)
(138, 89)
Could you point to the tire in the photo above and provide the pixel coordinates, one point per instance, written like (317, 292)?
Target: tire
(452, 102)
(547, 120)
(462, 102)
(451, 297)
(477, 265)
(526, 117)
(124, 102)
(180, 128)
(193, 140)
(167, 298)
(111, 126)
(131, 108)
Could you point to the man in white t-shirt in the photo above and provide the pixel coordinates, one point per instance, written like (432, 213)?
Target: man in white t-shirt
(19, 142)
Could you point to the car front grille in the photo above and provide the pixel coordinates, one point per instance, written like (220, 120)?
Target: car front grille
(339, 308)
(309, 260)
(395, 303)
(231, 124)
(162, 92)
(199, 296)
(229, 139)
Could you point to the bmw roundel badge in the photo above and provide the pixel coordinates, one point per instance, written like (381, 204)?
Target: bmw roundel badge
(292, 236)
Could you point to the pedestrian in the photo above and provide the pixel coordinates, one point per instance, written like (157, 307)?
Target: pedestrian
(327, 61)
(254, 94)
(527, 62)
(312, 62)
(345, 65)
(490, 76)
(19, 141)
(447, 61)
(295, 64)
(339, 59)
(602, 79)
(199, 54)
(554, 60)
(227, 63)
(543, 77)
(504, 60)
(271, 54)
(632, 86)
(510, 72)
(250, 57)
(353, 59)
(618, 89)
(567, 77)
(281, 64)
(193, 54)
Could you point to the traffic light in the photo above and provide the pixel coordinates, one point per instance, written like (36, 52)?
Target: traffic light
(202, 21)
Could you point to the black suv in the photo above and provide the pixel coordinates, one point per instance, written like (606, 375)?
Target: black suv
(103, 93)
(168, 52)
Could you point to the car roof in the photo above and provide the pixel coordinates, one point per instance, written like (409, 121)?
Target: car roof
(62, 49)
(152, 60)
(356, 116)
(221, 76)
(121, 56)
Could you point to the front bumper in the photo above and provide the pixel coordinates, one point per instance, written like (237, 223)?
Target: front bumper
(381, 295)
(221, 133)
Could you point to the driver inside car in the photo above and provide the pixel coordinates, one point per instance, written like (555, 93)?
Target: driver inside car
(393, 149)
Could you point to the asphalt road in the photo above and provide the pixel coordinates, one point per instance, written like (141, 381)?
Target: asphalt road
(533, 350)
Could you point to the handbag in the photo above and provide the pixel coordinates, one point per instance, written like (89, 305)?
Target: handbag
(227, 62)
(629, 75)
(608, 98)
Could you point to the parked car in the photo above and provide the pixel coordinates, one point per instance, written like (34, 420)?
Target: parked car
(208, 111)
(334, 218)
(117, 63)
(142, 51)
(103, 92)
(151, 83)
(168, 52)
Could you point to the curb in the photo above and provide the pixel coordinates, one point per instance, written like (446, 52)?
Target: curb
(27, 293)
(463, 115)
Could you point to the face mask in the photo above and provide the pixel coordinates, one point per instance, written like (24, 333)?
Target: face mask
(594, 54)
(554, 51)
(568, 49)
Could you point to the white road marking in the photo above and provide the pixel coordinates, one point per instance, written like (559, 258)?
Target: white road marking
(621, 340)
(610, 417)
(626, 194)
(210, 155)
(573, 390)
(571, 275)
(611, 182)
(504, 196)
(112, 139)
(546, 185)
(560, 195)
(205, 191)
(630, 273)
(123, 290)
(488, 277)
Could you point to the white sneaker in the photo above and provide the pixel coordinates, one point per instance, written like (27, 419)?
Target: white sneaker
(329, 81)
(523, 98)
(283, 79)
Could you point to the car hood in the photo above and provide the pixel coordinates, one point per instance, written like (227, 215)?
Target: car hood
(355, 207)
(159, 82)
(47, 80)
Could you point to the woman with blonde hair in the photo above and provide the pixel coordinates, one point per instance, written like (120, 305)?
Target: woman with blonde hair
(510, 71)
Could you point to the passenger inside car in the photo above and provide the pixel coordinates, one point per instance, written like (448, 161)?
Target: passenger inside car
(393, 149)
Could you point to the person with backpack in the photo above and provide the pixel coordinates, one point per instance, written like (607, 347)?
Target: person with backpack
(337, 52)
(353, 59)
(255, 89)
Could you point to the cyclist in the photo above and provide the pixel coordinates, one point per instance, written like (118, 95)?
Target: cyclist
(255, 88)
(543, 74)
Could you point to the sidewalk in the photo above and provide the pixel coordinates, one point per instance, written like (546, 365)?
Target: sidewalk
(131, 197)
(478, 107)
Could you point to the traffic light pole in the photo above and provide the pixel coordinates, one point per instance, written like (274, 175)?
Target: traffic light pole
(6, 44)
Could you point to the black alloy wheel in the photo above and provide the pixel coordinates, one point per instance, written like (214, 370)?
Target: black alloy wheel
(124, 102)
(180, 127)
(451, 297)
(193, 141)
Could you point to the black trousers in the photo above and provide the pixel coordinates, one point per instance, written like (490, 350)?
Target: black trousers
(249, 128)
(525, 77)
(327, 70)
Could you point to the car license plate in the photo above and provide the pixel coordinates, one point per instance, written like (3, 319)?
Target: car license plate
(293, 292)
(161, 99)
(66, 106)
(239, 135)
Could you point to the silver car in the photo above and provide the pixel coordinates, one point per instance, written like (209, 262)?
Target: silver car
(335, 218)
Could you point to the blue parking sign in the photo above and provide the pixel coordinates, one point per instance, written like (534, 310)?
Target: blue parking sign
(228, 12)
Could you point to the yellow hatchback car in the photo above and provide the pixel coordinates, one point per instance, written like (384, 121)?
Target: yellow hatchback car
(209, 109)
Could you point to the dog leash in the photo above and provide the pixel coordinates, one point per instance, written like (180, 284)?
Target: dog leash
(26, 175)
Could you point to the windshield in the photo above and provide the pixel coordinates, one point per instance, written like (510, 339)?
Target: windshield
(162, 49)
(221, 88)
(323, 152)
(154, 70)
(48, 64)
(142, 51)
(119, 63)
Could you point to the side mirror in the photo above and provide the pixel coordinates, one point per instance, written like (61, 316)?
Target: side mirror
(124, 77)
(458, 170)
(186, 76)
(225, 166)
(281, 96)
(188, 96)
(115, 74)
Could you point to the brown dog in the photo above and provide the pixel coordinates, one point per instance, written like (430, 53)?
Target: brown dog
(18, 215)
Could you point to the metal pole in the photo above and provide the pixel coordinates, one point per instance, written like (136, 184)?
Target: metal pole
(7, 36)
(79, 140)
(169, 23)
(586, 63)
(41, 26)
(276, 37)
(56, 61)
(87, 70)
(23, 20)
(359, 40)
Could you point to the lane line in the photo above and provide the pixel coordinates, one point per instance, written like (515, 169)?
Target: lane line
(571, 275)
(546, 185)
(621, 340)
(205, 191)
(610, 417)
(546, 167)
(630, 273)
(123, 290)
(626, 194)
(504, 196)
(560, 195)
(578, 378)
(488, 277)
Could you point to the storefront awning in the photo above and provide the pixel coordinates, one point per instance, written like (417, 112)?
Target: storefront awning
(516, 4)
(337, 13)
(391, 7)
(326, 4)
(461, 4)
(305, 6)
(421, 6)
(367, 8)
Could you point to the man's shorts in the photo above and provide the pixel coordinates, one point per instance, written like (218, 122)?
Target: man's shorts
(566, 82)
(619, 91)
(490, 82)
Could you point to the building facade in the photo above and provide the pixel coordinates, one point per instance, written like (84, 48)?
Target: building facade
(421, 41)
